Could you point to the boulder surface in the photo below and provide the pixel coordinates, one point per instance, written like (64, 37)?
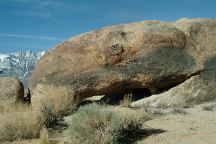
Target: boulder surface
(11, 88)
(152, 56)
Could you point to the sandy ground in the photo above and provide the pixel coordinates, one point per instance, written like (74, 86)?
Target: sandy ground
(196, 127)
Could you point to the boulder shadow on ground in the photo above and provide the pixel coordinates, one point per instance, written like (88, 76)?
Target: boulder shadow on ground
(139, 134)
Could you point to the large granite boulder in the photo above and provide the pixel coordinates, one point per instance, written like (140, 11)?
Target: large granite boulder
(149, 55)
(11, 88)
(199, 88)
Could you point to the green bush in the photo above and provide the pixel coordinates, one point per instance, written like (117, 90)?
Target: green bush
(49, 117)
(96, 124)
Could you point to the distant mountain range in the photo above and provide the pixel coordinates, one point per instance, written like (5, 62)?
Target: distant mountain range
(19, 64)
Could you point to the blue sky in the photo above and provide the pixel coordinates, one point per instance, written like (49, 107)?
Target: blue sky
(41, 24)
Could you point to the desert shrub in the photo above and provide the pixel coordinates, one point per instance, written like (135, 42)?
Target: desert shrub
(97, 124)
(49, 117)
(209, 107)
(19, 121)
(60, 98)
(53, 108)
(177, 110)
(19, 124)
(127, 100)
(44, 136)
(53, 103)
(131, 119)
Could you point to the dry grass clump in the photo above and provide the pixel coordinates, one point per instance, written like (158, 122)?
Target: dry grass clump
(96, 124)
(127, 100)
(129, 115)
(22, 123)
(60, 98)
(44, 136)
(53, 103)
(18, 122)
(7, 105)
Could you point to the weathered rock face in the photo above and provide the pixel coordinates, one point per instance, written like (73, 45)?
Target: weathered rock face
(195, 90)
(152, 55)
(11, 88)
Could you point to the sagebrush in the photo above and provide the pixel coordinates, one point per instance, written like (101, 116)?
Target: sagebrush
(97, 124)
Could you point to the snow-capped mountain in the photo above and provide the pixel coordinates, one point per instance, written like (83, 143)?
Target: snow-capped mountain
(19, 64)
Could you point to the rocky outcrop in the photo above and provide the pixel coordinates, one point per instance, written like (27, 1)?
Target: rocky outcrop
(11, 88)
(196, 90)
(149, 55)
(201, 87)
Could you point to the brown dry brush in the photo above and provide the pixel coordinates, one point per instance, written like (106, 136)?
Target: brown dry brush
(25, 122)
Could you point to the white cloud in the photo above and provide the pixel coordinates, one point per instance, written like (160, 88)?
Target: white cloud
(48, 8)
(37, 8)
(30, 37)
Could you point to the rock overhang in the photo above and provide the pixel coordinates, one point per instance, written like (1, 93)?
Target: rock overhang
(154, 55)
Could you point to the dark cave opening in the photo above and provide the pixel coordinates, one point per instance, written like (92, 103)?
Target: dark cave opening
(115, 97)
(137, 92)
